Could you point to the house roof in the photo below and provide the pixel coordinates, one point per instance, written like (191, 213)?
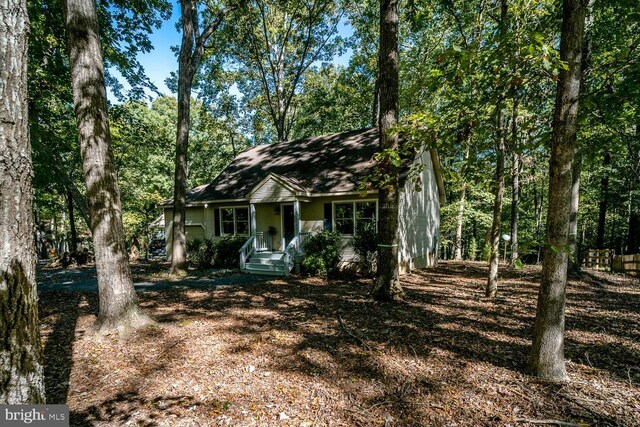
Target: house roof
(321, 164)
(335, 163)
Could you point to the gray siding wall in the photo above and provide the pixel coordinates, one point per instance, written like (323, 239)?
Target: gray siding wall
(419, 220)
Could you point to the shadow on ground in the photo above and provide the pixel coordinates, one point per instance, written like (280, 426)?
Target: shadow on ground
(428, 360)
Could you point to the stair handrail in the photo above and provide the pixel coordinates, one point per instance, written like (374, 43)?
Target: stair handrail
(289, 255)
(246, 251)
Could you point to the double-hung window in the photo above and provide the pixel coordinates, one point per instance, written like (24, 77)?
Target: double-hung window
(234, 221)
(349, 217)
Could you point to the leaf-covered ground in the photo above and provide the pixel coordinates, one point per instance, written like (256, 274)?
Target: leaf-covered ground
(275, 353)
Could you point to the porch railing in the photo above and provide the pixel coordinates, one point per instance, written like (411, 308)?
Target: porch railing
(262, 242)
(246, 251)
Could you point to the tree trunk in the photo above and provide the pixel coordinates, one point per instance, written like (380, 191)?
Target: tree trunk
(460, 222)
(515, 189)
(604, 199)
(587, 47)
(21, 369)
(185, 82)
(491, 289)
(463, 136)
(191, 51)
(387, 282)
(573, 215)
(547, 354)
(633, 237)
(118, 302)
(515, 201)
(73, 244)
(494, 238)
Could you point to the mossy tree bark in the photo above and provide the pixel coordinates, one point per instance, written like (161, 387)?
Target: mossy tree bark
(21, 368)
(547, 354)
(387, 282)
(118, 301)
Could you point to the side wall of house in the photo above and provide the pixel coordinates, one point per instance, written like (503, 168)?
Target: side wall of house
(195, 225)
(419, 220)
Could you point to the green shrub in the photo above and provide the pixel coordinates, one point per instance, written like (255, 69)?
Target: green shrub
(322, 252)
(472, 249)
(365, 245)
(227, 251)
(314, 265)
(201, 252)
(486, 251)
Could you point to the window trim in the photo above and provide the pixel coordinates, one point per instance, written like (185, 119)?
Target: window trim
(235, 222)
(355, 222)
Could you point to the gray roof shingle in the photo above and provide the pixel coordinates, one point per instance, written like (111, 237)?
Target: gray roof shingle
(322, 164)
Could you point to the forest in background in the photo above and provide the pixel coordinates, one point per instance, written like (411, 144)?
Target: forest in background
(470, 76)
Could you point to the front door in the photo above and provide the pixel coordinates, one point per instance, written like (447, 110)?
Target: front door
(288, 228)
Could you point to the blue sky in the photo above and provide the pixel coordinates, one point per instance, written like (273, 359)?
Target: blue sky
(161, 61)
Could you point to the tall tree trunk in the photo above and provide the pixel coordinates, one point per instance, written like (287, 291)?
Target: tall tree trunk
(515, 174)
(547, 354)
(515, 202)
(460, 222)
(21, 369)
(462, 138)
(118, 301)
(387, 282)
(185, 82)
(491, 289)
(604, 199)
(587, 47)
(191, 52)
(73, 244)
(573, 214)
(633, 237)
(494, 238)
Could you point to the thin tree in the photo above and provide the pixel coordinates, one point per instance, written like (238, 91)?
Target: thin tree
(387, 282)
(462, 137)
(118, 301)
(21, 368)
(547, 354)
(491, 289)
(192, 50)
(515, 174)
(587, 48)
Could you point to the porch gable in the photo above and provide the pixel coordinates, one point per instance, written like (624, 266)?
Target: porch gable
(275, 189)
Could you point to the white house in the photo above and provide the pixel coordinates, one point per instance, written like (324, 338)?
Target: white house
(300, 187)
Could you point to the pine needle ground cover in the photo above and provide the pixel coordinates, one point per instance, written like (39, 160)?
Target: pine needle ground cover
(306, 352)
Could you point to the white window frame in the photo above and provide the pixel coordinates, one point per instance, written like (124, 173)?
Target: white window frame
(355, 221)
(235, 222)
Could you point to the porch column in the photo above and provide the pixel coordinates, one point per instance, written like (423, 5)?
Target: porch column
(252, 218)
(297, 222)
